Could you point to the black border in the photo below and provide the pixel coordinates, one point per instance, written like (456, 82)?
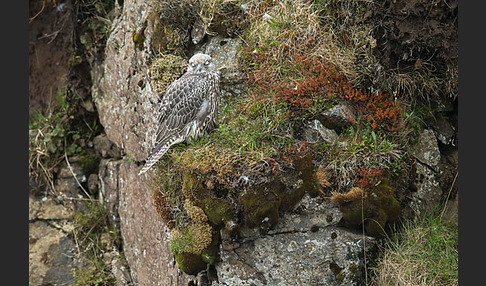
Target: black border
(471, 143)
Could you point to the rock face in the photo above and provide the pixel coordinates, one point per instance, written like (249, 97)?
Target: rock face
(50, 247)
(316, 132)
(126, 104)
(145, 237)
(338, 117)
(428, 191)
(305, 248)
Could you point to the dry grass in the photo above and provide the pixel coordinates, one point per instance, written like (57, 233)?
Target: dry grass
(323, 30)
(340, 32)
(425, 254)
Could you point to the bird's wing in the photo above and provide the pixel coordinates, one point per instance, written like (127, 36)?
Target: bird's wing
(180, 104)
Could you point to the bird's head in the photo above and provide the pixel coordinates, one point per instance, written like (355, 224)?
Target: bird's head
(200, 63)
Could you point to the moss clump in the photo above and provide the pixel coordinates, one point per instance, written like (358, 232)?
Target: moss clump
(163, 208)
(190, 263)
(165, 69)
(260, 208)
(192, 238)
(196, 213)
(213, 161)
(340, 276)
(138, 37)
(374, 205)
(192, 187)
(353, 271)
(210, 253)
(337, 270)
(219, 211)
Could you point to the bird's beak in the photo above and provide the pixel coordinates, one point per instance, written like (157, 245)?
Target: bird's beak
(199, 67)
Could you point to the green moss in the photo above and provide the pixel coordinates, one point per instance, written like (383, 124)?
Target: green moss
(89, 162)
(210, 253)
(219, 211)
(337, 270)
(260, 208)
(165, 69)
(340, 276)
(378, 207)
(192, 238)
(138, 37)
(190, 263)
(353, 271)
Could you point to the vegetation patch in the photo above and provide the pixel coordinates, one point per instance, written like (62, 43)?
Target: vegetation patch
(424, 252)
(361, 153)
(372, 206)
(164, 69)
(95, 237)
(301, 58)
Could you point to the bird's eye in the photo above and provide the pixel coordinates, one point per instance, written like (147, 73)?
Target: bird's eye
(192, 65)
(206, 63)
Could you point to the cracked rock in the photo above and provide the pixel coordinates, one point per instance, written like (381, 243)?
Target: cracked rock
(305, 248)
(428, 191)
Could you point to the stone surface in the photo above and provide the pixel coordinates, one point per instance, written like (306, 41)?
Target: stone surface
(50, 255)
(427, 151)
(127, 104)
(428, 192)
(305, 248)
(198, 31)
(123, 95)
(93, 183)
(69, 179)
(223, 51)
(49, 209)
(337, 117)
(316, 132)
(105, 148)
(144, 235)
(51, 251)
(444, 131)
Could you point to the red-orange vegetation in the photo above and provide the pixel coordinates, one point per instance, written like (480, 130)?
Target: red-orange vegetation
(299, 79)
(367, 177)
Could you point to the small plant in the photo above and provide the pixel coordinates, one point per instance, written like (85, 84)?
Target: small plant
(49, 139)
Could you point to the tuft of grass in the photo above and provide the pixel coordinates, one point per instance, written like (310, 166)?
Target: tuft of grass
(361, 153)
(421, 253)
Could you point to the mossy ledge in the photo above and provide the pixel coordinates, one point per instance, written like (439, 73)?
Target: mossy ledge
(375, 205)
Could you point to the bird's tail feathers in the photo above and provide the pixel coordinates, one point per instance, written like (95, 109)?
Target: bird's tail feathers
(156, 154)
